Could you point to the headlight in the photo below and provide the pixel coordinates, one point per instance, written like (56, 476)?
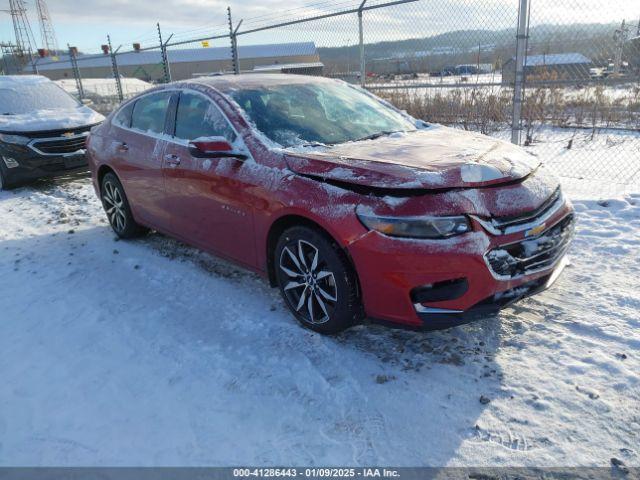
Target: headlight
(14, 139)
(415, 227)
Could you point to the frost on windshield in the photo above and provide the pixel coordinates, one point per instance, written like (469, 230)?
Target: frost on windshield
(20, 98)
(320, 113)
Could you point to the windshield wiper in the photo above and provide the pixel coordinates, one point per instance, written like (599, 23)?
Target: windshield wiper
(373, 136)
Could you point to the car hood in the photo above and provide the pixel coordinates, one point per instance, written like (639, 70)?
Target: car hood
(49, 119)
(434, 158)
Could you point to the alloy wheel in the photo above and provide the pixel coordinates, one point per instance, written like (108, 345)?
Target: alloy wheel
(114, 206)
(311, 289)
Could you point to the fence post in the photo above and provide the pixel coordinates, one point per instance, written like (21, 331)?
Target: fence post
(76, 71)
(521, 53)
(363, 72)
(114, 69)
(234, 43)
(166, 68)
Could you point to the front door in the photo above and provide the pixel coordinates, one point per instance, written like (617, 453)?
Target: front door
(209, 198)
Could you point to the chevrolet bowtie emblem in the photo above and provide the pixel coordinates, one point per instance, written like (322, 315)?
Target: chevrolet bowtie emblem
(535, 230)
(68, 134)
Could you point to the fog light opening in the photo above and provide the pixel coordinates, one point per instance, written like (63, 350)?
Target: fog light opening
(440, 291)
(10, 162)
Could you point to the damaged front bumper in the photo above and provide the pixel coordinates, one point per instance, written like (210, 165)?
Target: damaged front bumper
(429, 284)
(439, 318)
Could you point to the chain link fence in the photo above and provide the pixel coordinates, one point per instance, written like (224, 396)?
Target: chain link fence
(561, 78)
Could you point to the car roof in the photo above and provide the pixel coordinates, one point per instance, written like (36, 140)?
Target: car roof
(229, 82)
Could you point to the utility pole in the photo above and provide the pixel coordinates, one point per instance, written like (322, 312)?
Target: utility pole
(521, 53)
(620, 37)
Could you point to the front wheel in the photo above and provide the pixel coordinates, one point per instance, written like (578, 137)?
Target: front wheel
(316, 280)
(117, 208)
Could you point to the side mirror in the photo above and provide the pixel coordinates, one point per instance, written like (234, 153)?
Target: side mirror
(214, 147)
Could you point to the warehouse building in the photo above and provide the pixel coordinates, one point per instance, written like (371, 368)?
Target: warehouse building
(188, 63)
(558, 66)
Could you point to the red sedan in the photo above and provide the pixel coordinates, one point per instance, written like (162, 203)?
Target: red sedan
(351, 207)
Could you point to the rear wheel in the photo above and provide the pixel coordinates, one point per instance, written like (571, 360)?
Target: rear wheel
(117, 208)
(316, 280)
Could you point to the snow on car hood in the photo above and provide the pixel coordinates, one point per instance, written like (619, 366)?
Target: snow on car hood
(434, 158)
(49, 119)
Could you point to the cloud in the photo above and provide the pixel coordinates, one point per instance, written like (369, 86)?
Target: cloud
(147, 12)
(89, 21)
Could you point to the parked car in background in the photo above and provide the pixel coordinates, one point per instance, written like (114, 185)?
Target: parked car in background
(43, 130)
(348, 205)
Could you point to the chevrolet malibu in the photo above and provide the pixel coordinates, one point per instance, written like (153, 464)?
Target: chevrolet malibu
(350, 207)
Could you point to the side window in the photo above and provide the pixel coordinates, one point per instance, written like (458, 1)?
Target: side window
(198, 117)
(123, 117)
(150, 112)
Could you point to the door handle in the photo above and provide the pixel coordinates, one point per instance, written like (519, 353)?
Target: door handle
(173, 160)
(123, 147)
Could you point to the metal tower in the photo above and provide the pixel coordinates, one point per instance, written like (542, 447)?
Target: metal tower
(47, 33)
(25, 41)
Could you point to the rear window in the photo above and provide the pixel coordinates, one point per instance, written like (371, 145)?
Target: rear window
(123, 117)
(150, 112)
(19, 99)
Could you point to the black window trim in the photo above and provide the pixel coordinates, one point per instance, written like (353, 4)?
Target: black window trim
(170, 120)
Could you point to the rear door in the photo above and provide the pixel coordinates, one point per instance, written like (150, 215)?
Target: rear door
(210, 198)
(139, 150)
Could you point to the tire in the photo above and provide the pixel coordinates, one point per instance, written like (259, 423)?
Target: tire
(316, 280)
(116, 206)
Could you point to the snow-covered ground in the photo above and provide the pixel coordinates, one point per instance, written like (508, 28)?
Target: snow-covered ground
(492, 82)
(103, 92)
(425, 79)
(148, 352)
(105, 87)
(591, 166)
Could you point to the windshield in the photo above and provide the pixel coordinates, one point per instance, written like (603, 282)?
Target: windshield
(28, 97)
(317, 113)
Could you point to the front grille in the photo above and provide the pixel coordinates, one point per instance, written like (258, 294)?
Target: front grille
(533, 254)
(508, 221)
(60, 145)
